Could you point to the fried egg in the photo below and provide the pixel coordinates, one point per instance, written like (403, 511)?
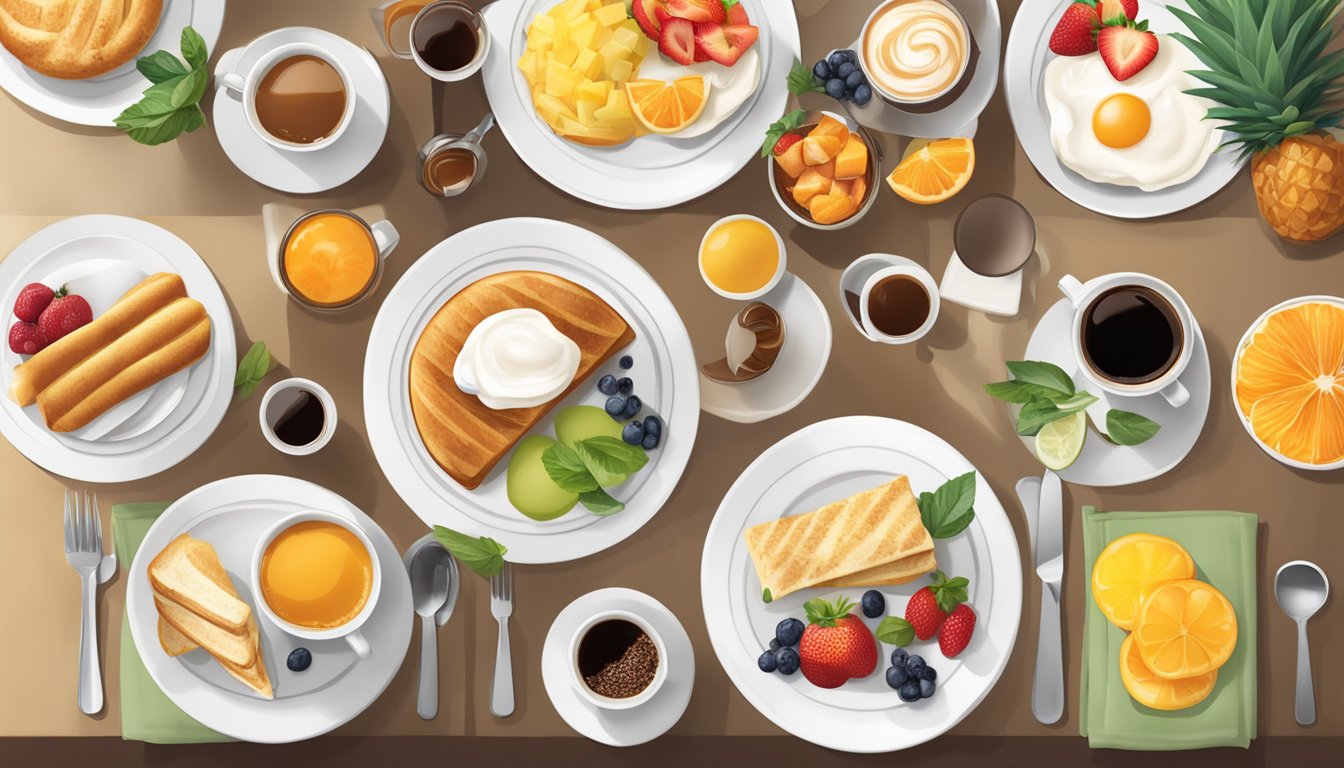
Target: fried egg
(1144, 132)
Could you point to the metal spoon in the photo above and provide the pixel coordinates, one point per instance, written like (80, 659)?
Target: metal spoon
(1301, 589)
(434, 586)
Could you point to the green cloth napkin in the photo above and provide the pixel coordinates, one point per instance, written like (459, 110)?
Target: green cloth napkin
(146, 713)
(1223, 545)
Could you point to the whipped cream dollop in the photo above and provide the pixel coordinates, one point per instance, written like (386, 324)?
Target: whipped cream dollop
(516, 359)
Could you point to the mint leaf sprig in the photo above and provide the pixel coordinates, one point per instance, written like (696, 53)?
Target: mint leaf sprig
(780, 127)
(801, 80)
(482, 555)
(170, 106)
(592, 465)
(251, 370)
(1047, 394)
(948, 510)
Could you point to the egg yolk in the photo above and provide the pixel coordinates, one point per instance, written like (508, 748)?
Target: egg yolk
(1121, 120)
(740, 256)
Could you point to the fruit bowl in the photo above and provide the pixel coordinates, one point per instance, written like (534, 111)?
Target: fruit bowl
(800, 213)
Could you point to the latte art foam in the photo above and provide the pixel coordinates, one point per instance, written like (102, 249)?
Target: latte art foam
(915, 50)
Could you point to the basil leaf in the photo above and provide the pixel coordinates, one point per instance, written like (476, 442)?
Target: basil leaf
(483, 555)
(801, 80)
(193, 48)
(780, 127)
(251, 370)
(1038, 413)
(1125, 428)
(1042, 374)
(567, 470)
(895, 630)
(171, 106)
(611, 456)
(1014, 391)
(948, 510)
(189, 90)
(600, 503)
(160, 66)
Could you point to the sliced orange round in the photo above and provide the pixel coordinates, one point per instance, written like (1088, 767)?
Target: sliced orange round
(1130, 568)
(1184, 629)
(1290, 382)
(934, 172)
(668, 107)
(1157, 693)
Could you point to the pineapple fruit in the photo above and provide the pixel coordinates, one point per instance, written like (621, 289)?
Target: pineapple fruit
(1281, 108)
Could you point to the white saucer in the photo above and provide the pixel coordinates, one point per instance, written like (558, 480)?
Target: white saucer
(304, 172)
(860, 270)
(1103, 464)
(802, 360)
(960, 117)
(992, 295)
(623, 728)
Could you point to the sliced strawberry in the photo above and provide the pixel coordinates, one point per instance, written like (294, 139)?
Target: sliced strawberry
(1127, 49)
(741, 36)
(1076, 32)
(1112, 11)
(676, 40)
(786, 141)
(646, 16)
(713, 39)
(660, 13)
(737, 14)
(698, 10)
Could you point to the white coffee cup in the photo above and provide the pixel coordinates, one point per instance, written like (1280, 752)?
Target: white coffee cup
(1083, 295)
(607, 702)
(245, 85)
(349, 631)
(949, 14)
(866, 273)
(280, 397)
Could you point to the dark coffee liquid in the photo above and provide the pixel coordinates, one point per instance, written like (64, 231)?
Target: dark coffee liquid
(449, 169)
(302, 422)
(1131, 335)
(898, 305)
(606, 642)
(446, 38)
(301, 99)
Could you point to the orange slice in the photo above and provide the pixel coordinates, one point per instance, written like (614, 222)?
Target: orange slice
(1156, 693)
(667, 107)
(935, 172)
(1130, 568)
(1290, 382)
(1184, 629)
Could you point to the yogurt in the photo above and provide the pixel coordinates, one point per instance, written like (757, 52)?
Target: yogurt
(914, 51)
(516, 359)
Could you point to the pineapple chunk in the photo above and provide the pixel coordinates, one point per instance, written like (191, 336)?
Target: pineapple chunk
(589, 64)
(620, 70)
(594, 91)
(617, 109)
(588, 112)
(573, 9)
(566, 55)
(539, 41)
(561, 81)
(612, 50)
(552, 109)
(528, 64)
(611, 14)
(626, 36)
(582, 34)
(542, 24)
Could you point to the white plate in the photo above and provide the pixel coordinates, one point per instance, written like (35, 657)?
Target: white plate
(232, 515)
(623, 728)
(304, 172)
(807, 348)
(1102, 463)
(170, 424)
(664, 373)
(958, 118)
(98, 100)
(650, 172)
(1023, 75)
(826, 462)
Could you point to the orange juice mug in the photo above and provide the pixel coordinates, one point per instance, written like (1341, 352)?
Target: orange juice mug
(331, 259)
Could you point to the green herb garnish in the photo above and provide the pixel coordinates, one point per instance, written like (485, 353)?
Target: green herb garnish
(801, 80)
(780, 127)
(590, 466)
(1125, 428)
(251, 370)
(482, 554)
(948, 510)
(766, 597)
(1046, 393)
(170, 106)
(895, 630)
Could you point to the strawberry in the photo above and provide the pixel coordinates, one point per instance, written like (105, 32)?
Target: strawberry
(786, 141)
(26, 339)
(1126, 49)
(724, 44)
(1116, 11)
(698, 10)
(929, 606)
(646, 16)
(66, 313)
(955, 634)
(676, 40)
(1076, 32)
(31, 301)
(836, 644)
(737, 13)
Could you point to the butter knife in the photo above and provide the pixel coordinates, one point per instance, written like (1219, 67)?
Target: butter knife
(1047, 689)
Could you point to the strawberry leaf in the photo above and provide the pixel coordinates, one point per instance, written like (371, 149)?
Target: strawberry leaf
(949, 593)
(824, 613)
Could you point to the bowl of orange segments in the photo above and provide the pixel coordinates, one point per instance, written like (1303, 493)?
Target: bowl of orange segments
(1181, 630)
(822, 171)
(1288, 382)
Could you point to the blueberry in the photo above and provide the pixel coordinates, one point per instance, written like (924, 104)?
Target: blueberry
(766, 662)
(607, 385)
(787, 661)
(625, 385)
(789, 632)
(835, 88)
(775, 645)
(898, 658)
(896, 677)
(845, 70)
(653, 426)
(821, 70)
(914, 665)
(873, 603)
(615, 407)
(928, 673)
(299, 659)
(926, 688)
(909, 692)
(863, 94)
(627, 362)
(838, 58)
(633, 433)
(855, 79)
(650, 442)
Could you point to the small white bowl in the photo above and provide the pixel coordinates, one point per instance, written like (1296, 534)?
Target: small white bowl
(870, 196)
(780, 269)
(607, 702)
(278, 397)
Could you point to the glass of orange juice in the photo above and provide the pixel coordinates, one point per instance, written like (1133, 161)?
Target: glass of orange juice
(742, 257)
(331, 259)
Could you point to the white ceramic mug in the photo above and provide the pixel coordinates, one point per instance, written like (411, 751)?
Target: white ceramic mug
(349, 631)
(244, 85)
(962, 64)
(1082, 295)
(862, 277)
(607, 702)
(279, 397)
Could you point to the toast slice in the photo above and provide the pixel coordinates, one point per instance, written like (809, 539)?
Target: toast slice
(188, 573)
(233, 647)
(466, 438)
(173, 642)
(898, 572)
(253, 676)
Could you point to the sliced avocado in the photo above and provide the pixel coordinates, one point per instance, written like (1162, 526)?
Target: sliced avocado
(532, 491)
(580, 422)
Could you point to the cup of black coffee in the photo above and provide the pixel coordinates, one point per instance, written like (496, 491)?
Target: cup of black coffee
(1132, 334)
(618, 660)
(447, 39)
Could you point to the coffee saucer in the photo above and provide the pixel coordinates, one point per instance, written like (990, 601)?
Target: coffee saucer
(318, 170)
(802, 360)
(628, 727)
(1103, 463)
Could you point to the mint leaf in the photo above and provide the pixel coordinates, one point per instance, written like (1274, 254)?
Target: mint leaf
(567, 470)
(160, 66)
(251, 370)
(193, 48)
(1014, 391)
(189, 90)
(1037, 413)
(170, 106)
(1125, 428)
(895, 630)
(948, 510)
(611, 455)
(600, 503)
(1042, 374)
(483, 555)
(780, 127)
(801, 80)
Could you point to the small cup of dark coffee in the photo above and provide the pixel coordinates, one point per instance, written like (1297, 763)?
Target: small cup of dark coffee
(618, 660)
(298, 416)
(1132, 334)
(447, 39)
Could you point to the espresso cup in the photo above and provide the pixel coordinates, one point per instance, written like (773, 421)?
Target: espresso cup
(385, 238)
(1084, 295)
(607, 702)
(279, 398)
(349, 631)
(244, 86)
(423, 13)
(887, 57)
(863, 276)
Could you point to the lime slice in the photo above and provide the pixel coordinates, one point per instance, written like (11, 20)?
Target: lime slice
(1059, 443)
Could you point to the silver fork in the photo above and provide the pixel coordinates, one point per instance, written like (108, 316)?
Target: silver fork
(501, 607)
(84, 551)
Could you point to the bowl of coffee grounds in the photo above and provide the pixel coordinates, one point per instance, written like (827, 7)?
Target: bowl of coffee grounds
(618, 660)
